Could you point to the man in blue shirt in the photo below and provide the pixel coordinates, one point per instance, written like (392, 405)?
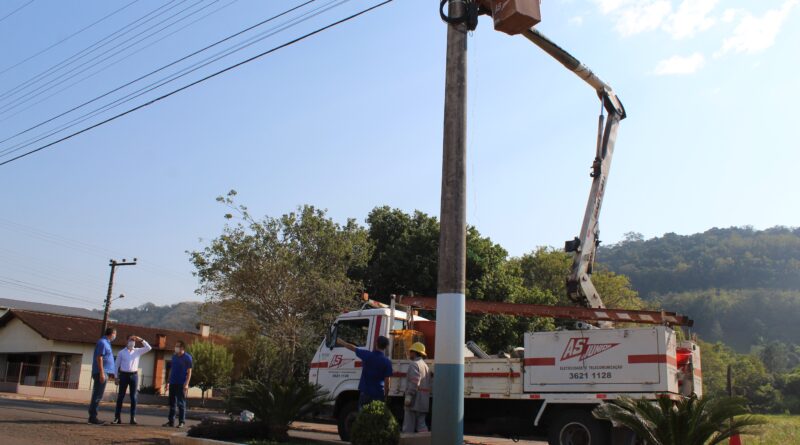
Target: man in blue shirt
(376, 369)
(102, 369)
(180, 373)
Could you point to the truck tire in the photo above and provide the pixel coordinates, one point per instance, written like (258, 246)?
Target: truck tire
(578, 427)
(345, 420)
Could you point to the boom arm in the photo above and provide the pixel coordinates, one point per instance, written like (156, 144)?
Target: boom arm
(580, 288)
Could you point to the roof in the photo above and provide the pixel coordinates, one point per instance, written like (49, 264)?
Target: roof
(398, 314)
(71, 329)
(7, 303)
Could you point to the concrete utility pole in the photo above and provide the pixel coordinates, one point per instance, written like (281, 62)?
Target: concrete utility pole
(448, 386)
(114, 264)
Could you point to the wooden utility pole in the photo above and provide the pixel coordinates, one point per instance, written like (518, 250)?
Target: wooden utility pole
(114, 264)
(448, 409)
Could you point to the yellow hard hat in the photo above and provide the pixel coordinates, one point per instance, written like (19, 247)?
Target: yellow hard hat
(419, 348)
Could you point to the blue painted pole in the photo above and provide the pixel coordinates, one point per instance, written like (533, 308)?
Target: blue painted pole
(448, 381)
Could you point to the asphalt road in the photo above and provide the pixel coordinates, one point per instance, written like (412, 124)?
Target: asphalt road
(28, 422)
(33, 422)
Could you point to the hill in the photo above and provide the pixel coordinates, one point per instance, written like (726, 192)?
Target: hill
(732, 258)
(181, 316)
(741, 286)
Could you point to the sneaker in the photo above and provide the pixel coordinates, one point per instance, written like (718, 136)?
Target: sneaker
(95, 421)
(181, 425)
(134, 422)
(117, 421)
(169, 424)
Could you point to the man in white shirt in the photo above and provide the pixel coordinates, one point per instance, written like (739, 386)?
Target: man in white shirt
(128, 374)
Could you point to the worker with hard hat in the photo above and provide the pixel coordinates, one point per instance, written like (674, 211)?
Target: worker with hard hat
(418, 391)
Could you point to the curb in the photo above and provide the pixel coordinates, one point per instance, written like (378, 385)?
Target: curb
(183, 439)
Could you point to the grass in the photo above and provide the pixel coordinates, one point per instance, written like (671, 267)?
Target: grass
(780, 430)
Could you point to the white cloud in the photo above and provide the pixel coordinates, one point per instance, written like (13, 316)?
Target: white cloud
(730, 15)
(642, 16)
(680, 65)
(755, 34)
(608, 6)
(576, 21)
(691, 17)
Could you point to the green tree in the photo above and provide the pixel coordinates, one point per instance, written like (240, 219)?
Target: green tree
(289, 273)
(212, 366)
(690, 421)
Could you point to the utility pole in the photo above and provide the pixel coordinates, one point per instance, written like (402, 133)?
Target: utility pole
(448, 409)
(114, 264)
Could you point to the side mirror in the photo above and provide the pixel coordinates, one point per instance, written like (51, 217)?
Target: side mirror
(330, 338)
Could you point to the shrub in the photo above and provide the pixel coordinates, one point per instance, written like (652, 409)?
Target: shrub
(277, 404)
(229, 430)
(375, 425)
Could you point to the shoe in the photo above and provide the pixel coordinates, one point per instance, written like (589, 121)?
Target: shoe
(169, 424)
(134, 422)
(96, 421)
(117, 421)
(181, 425)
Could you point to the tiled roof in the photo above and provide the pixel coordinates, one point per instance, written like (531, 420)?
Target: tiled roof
(87, 330)
(8, 303)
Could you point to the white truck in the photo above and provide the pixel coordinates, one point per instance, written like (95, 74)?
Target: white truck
(549, 387)
(552, 384)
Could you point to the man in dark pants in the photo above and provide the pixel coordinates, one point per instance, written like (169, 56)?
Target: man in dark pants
(128, 374)
(376, 369)
(180, 374)
(102, 370)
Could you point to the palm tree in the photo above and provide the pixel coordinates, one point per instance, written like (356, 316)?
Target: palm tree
(691, 421)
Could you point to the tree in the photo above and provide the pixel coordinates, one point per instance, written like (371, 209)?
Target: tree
(289, 273)
(690, 421)
(212, 366)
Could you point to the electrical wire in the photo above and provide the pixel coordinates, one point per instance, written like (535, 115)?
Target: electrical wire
(67, 38)
(16, 10)
(210, 76)
(88, 50)
(42, 289)
(175, 76)
(30, 95)
(263, 22)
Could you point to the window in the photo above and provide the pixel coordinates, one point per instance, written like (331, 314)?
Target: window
(353, 331)
(399, 324)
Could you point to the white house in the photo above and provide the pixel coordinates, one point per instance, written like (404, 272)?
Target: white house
(50, 355)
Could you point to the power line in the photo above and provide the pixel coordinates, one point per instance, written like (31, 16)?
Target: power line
(16, 11)
(157, 70)
(175, 76)
(55, 82)
(66, 38)
(210, 76)
(90, 49)
(42, 289)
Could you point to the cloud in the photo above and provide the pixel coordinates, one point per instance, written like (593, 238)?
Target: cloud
(608, 6)
(680, 65)
(576, 21)
(642, 16)
(691, 17)
(755, 34)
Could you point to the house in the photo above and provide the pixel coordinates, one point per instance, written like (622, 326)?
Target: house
(49, 354)
(8, 303)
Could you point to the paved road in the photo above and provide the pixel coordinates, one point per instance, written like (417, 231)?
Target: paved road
(29, 422)
(33, 422)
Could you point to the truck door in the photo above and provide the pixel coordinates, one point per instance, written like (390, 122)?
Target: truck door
(339, 369)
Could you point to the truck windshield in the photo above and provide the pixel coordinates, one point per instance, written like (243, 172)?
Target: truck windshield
(353, 331)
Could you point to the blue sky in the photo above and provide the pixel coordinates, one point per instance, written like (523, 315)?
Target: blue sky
(351, 119)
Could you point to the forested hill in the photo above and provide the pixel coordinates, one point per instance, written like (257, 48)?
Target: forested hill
(733, 258)
(181, 316)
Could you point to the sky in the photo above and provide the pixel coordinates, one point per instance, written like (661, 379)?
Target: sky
(351, 119)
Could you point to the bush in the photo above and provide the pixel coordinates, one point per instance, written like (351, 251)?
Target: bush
(375, 425)
(277, 404)
(229, 430)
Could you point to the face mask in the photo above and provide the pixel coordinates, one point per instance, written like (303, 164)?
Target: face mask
(113, 337)
(131, 344)
(177, 350)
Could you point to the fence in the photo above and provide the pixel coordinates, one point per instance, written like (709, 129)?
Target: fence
(38, 375)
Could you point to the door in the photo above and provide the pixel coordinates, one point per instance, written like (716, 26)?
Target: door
(339, 369)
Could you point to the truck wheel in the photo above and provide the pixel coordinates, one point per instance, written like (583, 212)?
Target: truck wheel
(347, 415)
(578, 428)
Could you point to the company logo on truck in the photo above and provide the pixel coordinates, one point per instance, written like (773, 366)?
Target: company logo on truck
(337, 361)
(581, 348)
